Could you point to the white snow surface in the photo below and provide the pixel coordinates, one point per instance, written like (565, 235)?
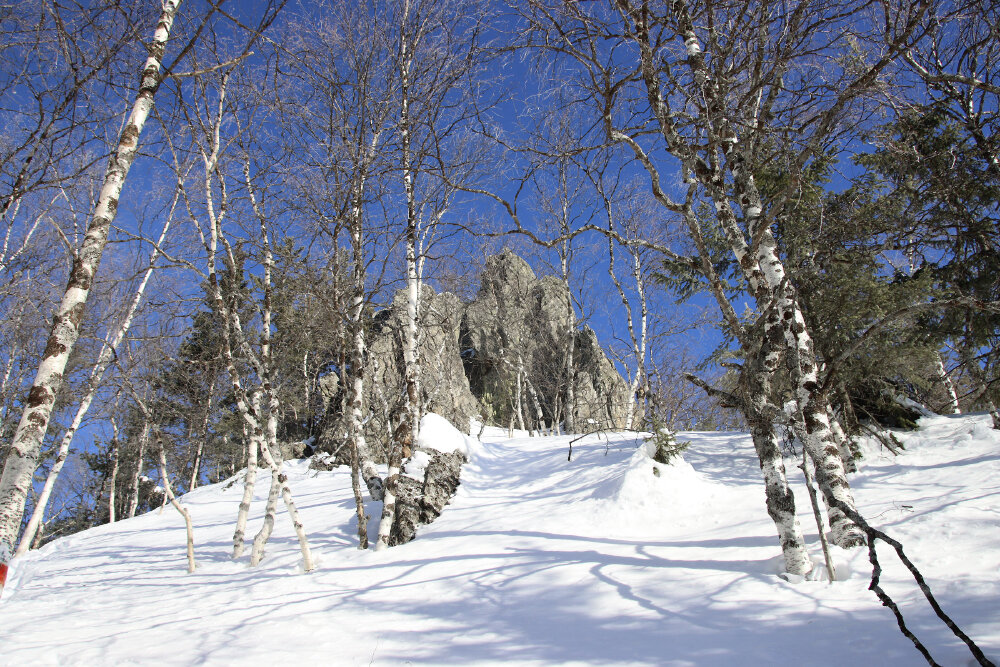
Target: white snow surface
(537, 561)
(437, 433)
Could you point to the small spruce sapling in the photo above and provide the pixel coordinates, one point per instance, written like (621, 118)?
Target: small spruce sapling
(662, 442)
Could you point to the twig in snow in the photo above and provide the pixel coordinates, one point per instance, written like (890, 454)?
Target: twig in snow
(875, 534)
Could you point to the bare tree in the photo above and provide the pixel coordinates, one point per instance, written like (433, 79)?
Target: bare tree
(721, 93)
(26, 446)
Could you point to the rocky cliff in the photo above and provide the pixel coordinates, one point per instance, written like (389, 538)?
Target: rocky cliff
(499, 359)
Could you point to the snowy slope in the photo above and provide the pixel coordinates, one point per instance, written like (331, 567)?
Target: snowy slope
(537, 561)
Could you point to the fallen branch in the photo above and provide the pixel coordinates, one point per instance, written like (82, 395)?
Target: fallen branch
(874, 534)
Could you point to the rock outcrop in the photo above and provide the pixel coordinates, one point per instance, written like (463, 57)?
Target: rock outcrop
(514, 338)
(443, 383)
(500, 355)
(430, 478)
(421, 499)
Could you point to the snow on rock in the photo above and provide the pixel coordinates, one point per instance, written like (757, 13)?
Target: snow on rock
(417, 465)
(439, 434)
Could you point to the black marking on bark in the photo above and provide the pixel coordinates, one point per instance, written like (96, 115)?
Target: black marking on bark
(75, 315)
(53, 348)
(80, 276)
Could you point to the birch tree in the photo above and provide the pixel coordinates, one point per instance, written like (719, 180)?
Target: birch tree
(438, 56)
(26, 445)
(722, 93)
(255, 389)
(104, 359)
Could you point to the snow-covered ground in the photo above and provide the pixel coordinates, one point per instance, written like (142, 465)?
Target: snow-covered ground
(537, 561)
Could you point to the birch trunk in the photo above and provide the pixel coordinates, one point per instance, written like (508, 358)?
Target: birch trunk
(539, 414)
(410, 348)
(640, 381)
(266, 363)
(389, 498)
(638, 342)
(948, 385)
(133, 501)
(359, 500)
(114, 473)
(830, 571)
(780, 500)
(26, 446)
(173, 501)
(249, 482)
(518, 401)
(569, 375)
(293, 513)
(202, 437)
(848, 449)
(759, 260)
(270, 510)
(779, 495)
(814, 429)
(369, 472)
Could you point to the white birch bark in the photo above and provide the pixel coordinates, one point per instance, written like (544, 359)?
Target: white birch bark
(539, 413)
(638, 342)
(569, 374)
(389, 501)
(26, 446)
(780, 500)
(114, 472)
(359, 501)
(409, 37)
(831, 572)
(410, 349)
(948, 385)
(761, 266)
(133, 501)
(173, 501)
(266, 363)
(518, 399)
(249, 481)
(286, 492)
(369, 471)
(202, 437)
(270, 511)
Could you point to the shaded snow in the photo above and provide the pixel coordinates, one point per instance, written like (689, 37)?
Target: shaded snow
(538, 560)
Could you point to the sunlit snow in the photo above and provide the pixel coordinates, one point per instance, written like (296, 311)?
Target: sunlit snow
(538, 560)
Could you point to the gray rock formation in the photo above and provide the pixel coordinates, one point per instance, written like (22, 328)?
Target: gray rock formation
(602, 395)
(419, 502)
(518, 327)
(443, 384)
(473, 358)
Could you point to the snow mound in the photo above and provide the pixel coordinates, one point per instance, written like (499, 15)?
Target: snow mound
(646, 492)
(439, 434)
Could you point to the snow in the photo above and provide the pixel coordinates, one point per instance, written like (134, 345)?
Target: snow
(437, 433)
(537, 561)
